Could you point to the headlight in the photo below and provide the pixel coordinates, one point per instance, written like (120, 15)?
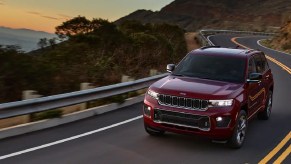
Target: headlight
(220, 103)
(153, 94)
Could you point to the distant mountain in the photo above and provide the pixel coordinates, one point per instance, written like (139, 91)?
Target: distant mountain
(258, 15)
(25, 38)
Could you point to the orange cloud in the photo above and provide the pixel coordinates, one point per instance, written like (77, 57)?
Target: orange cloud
(60, 16)
(49, 17)
(33, 13)
(63, 16)
(2, 2)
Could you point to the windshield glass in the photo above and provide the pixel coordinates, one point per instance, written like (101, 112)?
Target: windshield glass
(219, 68)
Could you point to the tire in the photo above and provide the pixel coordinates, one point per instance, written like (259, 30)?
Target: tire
(239, 133)
(153, 132)
(266, 113)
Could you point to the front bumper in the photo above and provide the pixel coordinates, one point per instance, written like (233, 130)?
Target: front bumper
(214, 123)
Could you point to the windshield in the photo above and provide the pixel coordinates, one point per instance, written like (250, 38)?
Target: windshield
(219, 68)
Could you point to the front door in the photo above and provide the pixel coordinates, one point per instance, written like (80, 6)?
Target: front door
(256, 90)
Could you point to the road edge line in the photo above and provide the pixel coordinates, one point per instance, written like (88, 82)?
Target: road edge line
(68, 139)
(49, 123)
(259, 43)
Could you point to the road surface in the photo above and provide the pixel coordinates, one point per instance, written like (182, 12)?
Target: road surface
(114, 138)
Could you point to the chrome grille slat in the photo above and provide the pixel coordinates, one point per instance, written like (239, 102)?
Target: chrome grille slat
(183, 102)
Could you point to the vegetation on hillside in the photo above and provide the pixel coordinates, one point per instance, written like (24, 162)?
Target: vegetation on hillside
(94, 51)
(283, 40)
(192, 15)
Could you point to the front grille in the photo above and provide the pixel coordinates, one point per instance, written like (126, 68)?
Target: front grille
(182, 119)
(181, 102)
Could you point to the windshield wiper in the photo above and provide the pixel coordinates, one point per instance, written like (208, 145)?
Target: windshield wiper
(203, 77)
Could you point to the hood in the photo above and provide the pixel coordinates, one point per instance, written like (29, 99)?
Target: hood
(196, 88)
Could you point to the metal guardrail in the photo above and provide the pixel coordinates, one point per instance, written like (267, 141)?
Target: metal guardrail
(206, 32)
(57, 101)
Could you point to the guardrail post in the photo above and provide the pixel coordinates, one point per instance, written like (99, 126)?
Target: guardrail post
(29, 94)
(84, 86)
(126, 78)
(153, 72)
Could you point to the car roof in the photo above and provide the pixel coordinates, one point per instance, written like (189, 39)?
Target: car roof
(226, 52)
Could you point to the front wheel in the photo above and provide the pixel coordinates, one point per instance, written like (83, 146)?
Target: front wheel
(239, 134)
(265, 115)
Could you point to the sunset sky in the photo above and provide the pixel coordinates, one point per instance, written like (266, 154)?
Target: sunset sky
(45, 15)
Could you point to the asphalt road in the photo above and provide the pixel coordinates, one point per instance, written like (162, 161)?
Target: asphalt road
(129, 143)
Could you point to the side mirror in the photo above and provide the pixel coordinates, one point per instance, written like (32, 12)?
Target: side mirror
(170, 68)
(255, 77)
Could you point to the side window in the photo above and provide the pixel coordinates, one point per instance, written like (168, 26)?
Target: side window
(251, 67)
(264, 62)
(259, 63)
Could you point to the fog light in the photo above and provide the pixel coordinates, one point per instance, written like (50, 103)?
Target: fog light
(218, 119)
(222, 121)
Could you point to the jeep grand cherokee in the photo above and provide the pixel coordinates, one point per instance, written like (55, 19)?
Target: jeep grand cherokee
(212, 92)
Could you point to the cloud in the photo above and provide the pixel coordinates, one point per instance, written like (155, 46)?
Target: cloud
(33, 13)
(63, 16)
(42, 15)
(2, 2)
(49, 17)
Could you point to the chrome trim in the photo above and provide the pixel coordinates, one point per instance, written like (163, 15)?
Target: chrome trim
(185, 103)
(194, 127)
(255, 112)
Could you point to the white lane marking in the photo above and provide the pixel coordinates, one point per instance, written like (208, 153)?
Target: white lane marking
(68, 139)
(258, 42)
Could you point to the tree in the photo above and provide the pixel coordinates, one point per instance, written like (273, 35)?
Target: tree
(52, 42)
(11, 48)
(97, 23)
(74, 26)
(132, 26)
(43, 42)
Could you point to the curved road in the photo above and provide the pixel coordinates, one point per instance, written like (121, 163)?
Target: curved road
(127, 142)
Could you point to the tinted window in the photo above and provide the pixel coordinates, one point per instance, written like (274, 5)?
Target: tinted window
(259, 63)
(230, 69)
(264, 62)
(251, 67)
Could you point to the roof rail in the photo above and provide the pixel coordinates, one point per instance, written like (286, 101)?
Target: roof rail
(205, 47)
(250, 50)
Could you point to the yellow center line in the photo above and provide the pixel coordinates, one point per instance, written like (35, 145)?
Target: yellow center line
(284, 67)
(276, 149)
(284, 155)
(280, 64)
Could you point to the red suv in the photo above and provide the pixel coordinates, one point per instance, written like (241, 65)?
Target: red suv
(212, 92)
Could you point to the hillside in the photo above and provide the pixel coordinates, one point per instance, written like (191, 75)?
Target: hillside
(98, 52)
(25, 38)
(258, 15)
(283, 40)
